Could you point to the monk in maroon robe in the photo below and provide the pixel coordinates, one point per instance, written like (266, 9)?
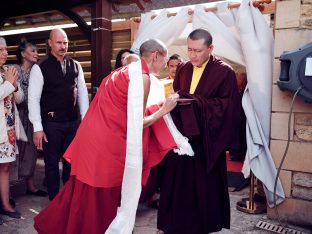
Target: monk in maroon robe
(193, 194)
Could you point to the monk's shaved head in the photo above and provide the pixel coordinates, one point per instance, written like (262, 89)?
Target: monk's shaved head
(152, 45)
(155, 54)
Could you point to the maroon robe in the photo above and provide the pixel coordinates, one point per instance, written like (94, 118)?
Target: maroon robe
(194, 195)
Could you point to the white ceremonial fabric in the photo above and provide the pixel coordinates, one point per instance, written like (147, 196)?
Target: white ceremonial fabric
(167, 29)
(257, 46)
(131, 182)
(157, 94)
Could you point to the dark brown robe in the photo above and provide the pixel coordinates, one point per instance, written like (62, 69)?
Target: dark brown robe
(194, 195)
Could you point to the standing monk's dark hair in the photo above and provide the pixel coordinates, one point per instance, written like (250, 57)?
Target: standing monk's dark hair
(199, 34)
(118, 63)
(23, 45)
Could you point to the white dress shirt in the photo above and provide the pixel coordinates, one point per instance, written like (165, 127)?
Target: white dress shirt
(35, 87)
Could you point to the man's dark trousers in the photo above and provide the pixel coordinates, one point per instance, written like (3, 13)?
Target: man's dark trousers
(60, 135)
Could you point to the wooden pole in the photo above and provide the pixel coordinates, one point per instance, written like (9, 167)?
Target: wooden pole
(248, 205)
(101, 42)
(265, 6)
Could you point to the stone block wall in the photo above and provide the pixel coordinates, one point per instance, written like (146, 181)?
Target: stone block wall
(293, 29)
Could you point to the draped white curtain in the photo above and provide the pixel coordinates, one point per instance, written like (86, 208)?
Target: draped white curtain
(243, 36)
(225, 38)
(257, 45)
(167, 29)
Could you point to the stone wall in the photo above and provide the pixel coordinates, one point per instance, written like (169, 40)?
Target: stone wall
(293, 29)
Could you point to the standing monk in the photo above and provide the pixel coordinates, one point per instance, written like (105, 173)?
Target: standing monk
(194, 195)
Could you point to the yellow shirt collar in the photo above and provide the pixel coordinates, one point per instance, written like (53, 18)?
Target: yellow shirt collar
(202, 66)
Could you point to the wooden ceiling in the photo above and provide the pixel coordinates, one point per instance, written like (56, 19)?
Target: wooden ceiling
(17, 14)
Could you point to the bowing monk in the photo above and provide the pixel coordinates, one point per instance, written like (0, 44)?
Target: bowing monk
(110, 155)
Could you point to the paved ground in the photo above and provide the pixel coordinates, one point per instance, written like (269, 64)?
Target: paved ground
(29, 206)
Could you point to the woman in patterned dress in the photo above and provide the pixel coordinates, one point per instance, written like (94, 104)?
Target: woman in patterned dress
(27, 56)
(9, 95)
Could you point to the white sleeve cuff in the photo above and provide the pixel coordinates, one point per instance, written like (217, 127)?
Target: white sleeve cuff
(37, 127)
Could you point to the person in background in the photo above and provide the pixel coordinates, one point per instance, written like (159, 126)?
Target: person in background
(56, 91)
(173, 62)
(11, 128)
(120, 58)
(194, 195)
(27, 56)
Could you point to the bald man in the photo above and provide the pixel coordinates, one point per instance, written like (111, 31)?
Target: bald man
(56, 92)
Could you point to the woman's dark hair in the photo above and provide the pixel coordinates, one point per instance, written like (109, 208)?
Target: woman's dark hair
(118, 63)
(23, 45)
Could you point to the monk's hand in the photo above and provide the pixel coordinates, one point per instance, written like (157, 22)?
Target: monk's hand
(38, 139)
(175, 95)
(160, 103)
(170, 103)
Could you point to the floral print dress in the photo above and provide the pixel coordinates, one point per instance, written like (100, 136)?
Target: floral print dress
(8, 150)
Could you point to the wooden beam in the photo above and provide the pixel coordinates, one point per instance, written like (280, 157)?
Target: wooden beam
(267, 9)
(2, 22)
(139, 4)
(22, 8)
(72, 33)
(29, 21)
(121, 25)
(83, 26)
(116, 3)
(12, 22)
(101, 42)
(34, 6)
(134, 30)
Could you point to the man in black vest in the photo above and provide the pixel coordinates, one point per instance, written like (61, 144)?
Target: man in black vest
(56, 86)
